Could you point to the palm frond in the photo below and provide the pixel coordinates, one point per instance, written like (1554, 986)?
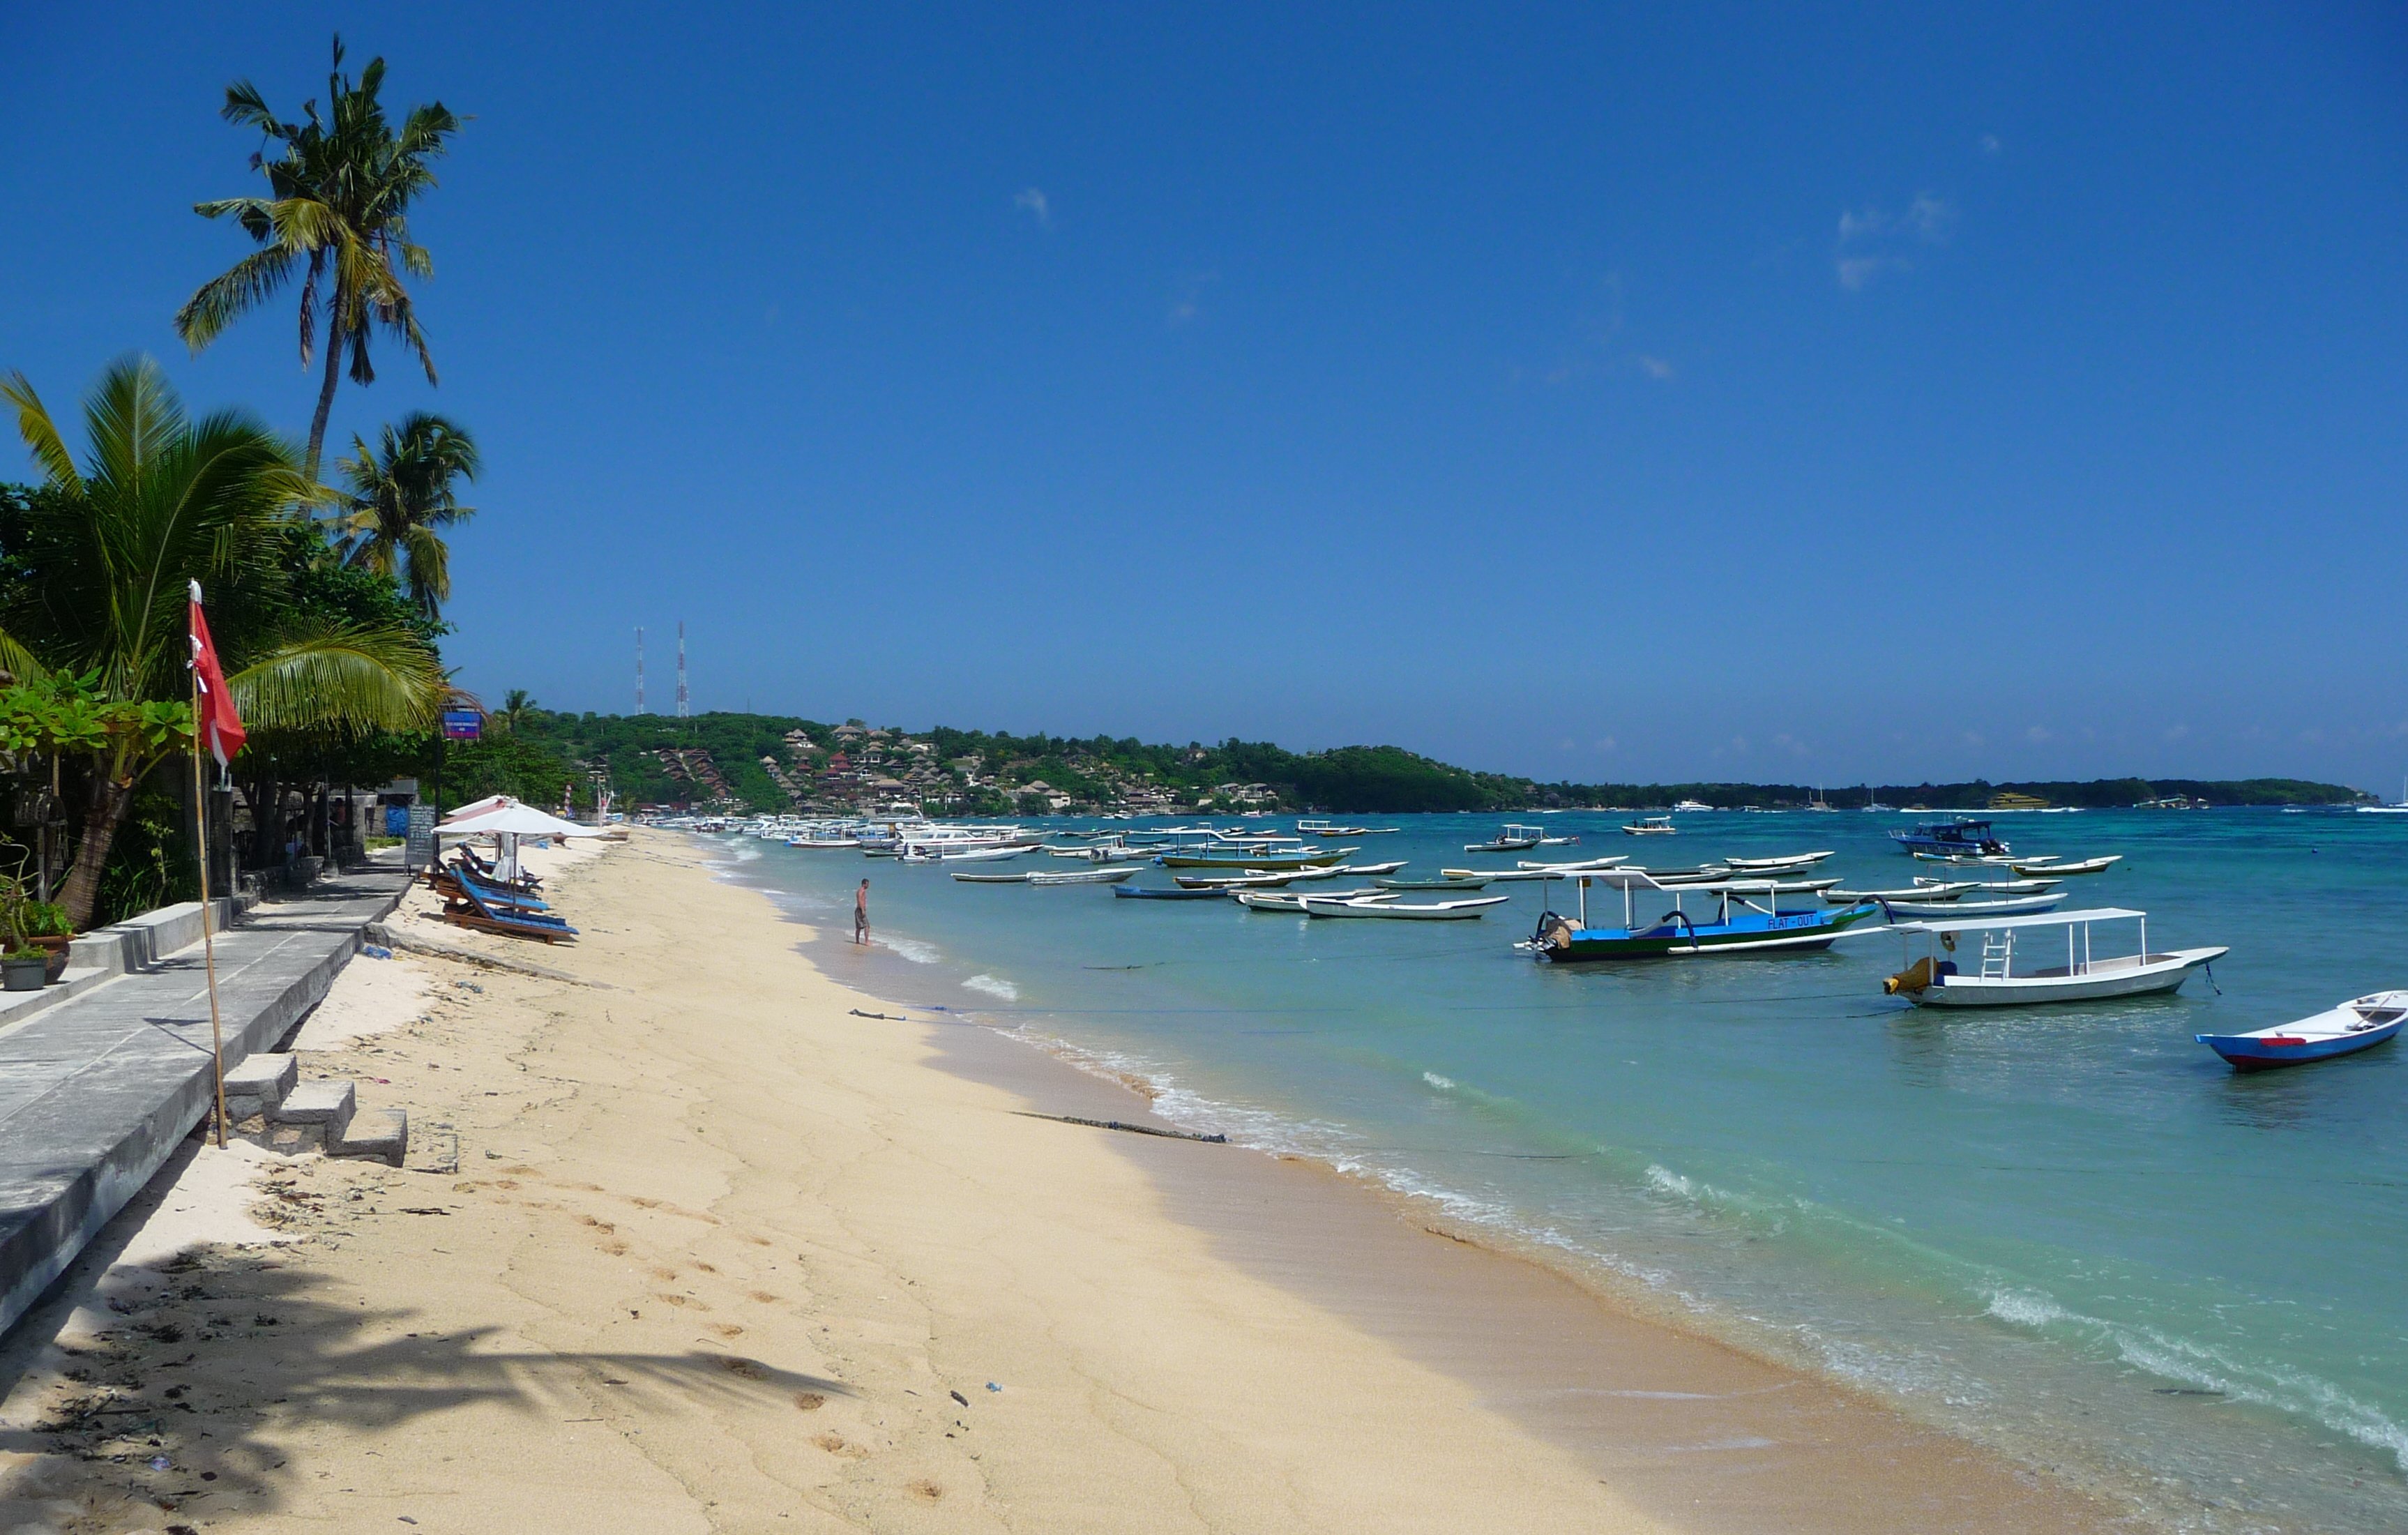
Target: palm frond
(350, 680)
(232, 293)
(17, 661)
(41, 433)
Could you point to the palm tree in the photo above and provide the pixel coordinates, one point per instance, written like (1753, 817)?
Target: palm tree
(109, 550)
(518, 707)
(399, 495)
(337, 208)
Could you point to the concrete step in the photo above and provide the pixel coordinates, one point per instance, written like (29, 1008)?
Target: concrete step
(379, 1133)
(259, 1084)
(325, 1107)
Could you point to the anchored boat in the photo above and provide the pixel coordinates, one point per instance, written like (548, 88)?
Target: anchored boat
(2342, 1030)
(1735, 922)
(1959, 838)
(2007, 978)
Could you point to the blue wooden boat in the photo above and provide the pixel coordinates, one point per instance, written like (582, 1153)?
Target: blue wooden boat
(1151, 893)
(1737, 916)
(2353, 1026)
(1961, 836)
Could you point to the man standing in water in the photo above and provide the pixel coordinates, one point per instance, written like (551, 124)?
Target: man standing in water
(861, 913)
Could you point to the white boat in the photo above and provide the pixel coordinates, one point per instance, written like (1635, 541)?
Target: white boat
(1513, 838)
(2056, 868)
(2399, 809)
(1283, 900)
(1651, 825)
(1936, 981)
(2012, 906)
(1397, 910)
(1689, 804)
(1573, 866)
(1021, 878)
(1085, 876)
(1366, 870)
(972, 855)
(2353, 1026)
(1769, 866)
(1921, 891)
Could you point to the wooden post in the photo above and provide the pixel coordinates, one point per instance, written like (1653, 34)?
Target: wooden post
(209, 940)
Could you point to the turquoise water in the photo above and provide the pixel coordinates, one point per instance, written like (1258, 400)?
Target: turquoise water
(2072, 1230)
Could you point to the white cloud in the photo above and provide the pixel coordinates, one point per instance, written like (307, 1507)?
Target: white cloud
(1033, 202)
(1873, 241)
(1990, 144)
(2039, 733)
(1656, 367)
(1187, 297)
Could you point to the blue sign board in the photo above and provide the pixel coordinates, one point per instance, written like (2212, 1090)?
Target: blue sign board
(463, 724)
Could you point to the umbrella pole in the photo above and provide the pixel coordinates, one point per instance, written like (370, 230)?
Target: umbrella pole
(209, 940)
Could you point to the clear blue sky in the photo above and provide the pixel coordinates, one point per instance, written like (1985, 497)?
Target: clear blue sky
(1598, 392)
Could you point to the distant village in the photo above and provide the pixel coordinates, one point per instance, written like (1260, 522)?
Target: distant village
(854, 769)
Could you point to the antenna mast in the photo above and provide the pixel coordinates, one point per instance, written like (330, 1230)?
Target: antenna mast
(639, 669)
(682, 709)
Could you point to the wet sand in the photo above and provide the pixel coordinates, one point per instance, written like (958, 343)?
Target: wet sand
(685, 1245)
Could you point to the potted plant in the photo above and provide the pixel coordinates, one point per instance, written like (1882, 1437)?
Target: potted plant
(24, 969)
(45, 927)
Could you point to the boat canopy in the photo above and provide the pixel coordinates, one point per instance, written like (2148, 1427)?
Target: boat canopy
(2037, 919)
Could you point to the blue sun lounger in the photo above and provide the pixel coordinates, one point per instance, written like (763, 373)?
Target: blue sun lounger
(473, 911)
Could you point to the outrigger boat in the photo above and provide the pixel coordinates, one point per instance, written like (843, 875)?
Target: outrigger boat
(1383, 907)
(1738, 924)
(2342, 1030)
(1283, 900)
(1477, 883)
(1156, 893)
(1266, 861)
(1919, 891)
(1775, 866)
(1951, 839)
(2053, 869)
(2012, 906)
(1513, 838)
(1085, 875)
(1936, 981)
(1021, 878)
(1651, 825)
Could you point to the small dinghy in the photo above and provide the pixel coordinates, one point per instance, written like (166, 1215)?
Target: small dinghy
(1085, 875)
(1775, 866)
(1474, 884)
(1281, 901)
(2013, 906)
(1156, 893)
(1366, 870)
(1021, 878)
(2352, 1026)
(2052, 870)
(1920, 891)
(1323, 906)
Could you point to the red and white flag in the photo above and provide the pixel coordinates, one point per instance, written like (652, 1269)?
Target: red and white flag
(220, 727)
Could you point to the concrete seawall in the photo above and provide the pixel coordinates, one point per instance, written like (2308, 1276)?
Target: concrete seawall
(96, 1090)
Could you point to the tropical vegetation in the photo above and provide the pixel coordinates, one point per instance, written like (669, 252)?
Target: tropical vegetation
(398, 495)
(101, 558)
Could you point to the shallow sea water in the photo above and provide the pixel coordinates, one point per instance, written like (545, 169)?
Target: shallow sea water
(2070, 1231)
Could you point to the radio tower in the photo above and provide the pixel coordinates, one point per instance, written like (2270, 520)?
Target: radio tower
(639, 669)
(682, 709)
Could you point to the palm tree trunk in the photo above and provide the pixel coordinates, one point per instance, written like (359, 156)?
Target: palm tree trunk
(325, 392)
(102, 810)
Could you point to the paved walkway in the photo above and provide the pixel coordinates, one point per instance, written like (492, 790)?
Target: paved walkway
(96, 1090)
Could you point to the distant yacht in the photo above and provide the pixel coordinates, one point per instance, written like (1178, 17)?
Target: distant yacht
(2401, 808)
(1691, 805)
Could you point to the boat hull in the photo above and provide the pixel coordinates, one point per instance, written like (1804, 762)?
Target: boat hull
(2249, 1053)
(1803, 930)
(2164, 973)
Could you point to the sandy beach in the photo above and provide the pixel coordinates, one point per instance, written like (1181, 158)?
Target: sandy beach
(686, 1242)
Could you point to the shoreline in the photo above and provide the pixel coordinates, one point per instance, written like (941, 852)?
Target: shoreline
(1559, 1326)
(709, 1252)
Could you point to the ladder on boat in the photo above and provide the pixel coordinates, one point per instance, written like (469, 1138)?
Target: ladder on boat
(1997, 953)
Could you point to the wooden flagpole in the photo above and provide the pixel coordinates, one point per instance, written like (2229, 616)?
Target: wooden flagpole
(209, 940)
